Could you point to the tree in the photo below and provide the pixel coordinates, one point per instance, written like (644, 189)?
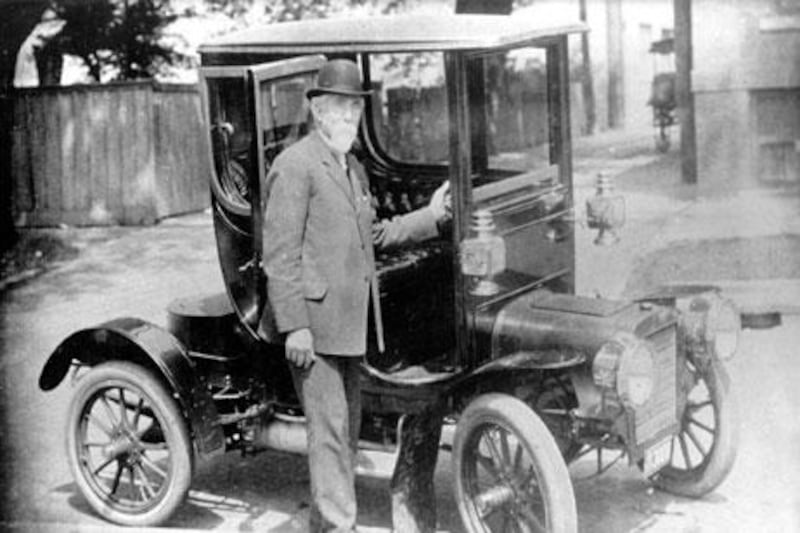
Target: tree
(288, 10)
(116, 39)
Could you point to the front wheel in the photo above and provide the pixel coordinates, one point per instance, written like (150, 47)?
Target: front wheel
(509, 473)
(128, 445)
(703, 452)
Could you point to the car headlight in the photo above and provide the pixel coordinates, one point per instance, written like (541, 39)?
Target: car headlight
(712, 325)
(625, 365)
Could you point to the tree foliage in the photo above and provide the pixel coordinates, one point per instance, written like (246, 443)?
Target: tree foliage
(288, 10)
(116, 39)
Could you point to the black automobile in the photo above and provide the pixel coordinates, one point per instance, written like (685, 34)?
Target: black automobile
(482, 323)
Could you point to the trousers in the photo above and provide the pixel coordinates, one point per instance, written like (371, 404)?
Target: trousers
(330, 393)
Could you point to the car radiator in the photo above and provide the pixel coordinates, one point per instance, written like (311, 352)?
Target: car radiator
(660, 412)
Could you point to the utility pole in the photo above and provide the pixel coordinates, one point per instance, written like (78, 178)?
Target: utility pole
(683, 89)
(616, 78)
(587, 84)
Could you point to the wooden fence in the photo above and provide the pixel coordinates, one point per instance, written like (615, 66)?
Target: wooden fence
(128, 153)
(132, 153)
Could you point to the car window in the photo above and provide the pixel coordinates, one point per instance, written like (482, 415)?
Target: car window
(513, 154)
(230, 136)
(284, 115)
(410, 106)
(517, 111)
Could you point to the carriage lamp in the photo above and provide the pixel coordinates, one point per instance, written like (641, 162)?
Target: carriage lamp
(625, 366)
(710, 324)
(605, 211)
(484, 254)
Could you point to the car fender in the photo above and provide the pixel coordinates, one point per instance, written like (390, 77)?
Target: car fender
(670, 295)
(511, 364)
(132, 339)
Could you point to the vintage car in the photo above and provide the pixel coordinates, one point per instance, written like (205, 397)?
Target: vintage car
(481, 325)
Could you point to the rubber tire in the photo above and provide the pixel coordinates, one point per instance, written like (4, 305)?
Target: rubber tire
(518, 418)
(176, 434)
(717, 464)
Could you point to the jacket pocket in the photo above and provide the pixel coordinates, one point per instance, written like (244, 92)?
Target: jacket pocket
(314, 290)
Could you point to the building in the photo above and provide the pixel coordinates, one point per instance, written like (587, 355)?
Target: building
(745, 82)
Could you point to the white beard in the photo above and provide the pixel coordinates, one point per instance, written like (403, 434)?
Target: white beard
(339, 134)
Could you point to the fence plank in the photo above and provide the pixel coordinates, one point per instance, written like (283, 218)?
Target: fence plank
(23, 194)
(104, 199)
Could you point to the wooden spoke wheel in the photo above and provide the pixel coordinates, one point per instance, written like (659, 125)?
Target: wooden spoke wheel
(128, 445)
(702, 453)
(509, 473)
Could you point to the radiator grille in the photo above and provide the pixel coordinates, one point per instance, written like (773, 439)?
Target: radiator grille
(659, 412)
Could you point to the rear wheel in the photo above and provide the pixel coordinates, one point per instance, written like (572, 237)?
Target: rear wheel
(702, 454)
(509, 473)
(128, 445)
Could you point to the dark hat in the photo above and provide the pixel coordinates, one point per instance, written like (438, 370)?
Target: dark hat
(338, 76)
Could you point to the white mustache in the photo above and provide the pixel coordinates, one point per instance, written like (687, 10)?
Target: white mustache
(341, 135)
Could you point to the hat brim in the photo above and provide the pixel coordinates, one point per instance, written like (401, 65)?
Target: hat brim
(316, 91)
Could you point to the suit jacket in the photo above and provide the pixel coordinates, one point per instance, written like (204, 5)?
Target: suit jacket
(319, 233)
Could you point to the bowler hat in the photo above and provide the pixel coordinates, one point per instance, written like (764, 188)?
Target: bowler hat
(338, 76)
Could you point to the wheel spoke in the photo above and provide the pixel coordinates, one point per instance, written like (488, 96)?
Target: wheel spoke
(488, 465)
(96, 444)
(685, 452)
(123, 408)
(529, 479)
(110, 411)
(100, 424)
(532, 519)
(696, 441)
(518, 457)
(672, 451)
(154, 446)
(103, 465)
(153, 466)
(135, 487)
(693, 420)
(147, 487)
(504, 448)
(117, 476)
(697, 406)
(495, 452)
(137, 413)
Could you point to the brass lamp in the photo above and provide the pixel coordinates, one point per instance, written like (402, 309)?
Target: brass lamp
(484, 254)
(605, 211)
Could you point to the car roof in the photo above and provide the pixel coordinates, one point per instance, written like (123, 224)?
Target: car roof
(390, 33)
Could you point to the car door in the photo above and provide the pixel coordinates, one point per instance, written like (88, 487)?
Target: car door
(252, 114)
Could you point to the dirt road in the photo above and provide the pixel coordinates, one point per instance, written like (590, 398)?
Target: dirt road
(136, 272)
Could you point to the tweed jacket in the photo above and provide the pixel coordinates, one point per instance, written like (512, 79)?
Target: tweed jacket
(318, 236)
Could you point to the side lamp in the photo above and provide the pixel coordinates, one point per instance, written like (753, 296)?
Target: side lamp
(483, 255)
(605, 211)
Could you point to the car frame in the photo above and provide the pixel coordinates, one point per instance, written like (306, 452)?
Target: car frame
(483, 329)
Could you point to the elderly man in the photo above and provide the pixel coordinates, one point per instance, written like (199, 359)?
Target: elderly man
(319, 233)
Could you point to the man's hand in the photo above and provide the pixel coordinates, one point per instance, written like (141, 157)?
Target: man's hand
(441, 202)
(300, 348)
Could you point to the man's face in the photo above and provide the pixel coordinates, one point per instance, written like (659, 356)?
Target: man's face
(338, 117)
